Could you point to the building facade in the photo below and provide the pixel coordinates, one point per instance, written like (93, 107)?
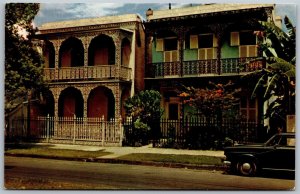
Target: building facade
(92, 65)
(196, 45)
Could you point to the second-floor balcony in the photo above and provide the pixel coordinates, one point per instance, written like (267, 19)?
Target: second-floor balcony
(204, 68)
(101, 72)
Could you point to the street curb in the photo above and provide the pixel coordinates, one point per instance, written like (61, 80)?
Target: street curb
(128, 162)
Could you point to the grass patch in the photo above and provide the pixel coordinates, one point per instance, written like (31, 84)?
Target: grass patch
(41, 151)
(173, 158)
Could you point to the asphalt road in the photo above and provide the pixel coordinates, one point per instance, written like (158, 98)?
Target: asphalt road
(119, 176)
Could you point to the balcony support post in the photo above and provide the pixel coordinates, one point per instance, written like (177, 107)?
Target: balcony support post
(219, 30)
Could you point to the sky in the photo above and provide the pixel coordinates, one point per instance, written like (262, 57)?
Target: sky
(50, 12)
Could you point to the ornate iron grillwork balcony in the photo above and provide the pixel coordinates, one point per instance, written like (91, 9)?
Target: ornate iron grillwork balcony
(101, 72)
(203, 68)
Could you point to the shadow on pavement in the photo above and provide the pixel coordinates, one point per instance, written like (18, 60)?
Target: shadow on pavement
(270, 174)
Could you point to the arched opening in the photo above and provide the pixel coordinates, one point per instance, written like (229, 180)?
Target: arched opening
(71, 53)
(101, 102)
(101, 51)
(49, 55)
(47, 104)
(70, 102)
(126, 51)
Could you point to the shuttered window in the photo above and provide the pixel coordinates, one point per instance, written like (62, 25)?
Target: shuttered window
(207, 53)
(170, 56)
(160, 45)
(193, 41)
(248, 51)
(234, 39)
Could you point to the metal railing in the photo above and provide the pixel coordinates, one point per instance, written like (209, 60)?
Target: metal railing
(88, 72)
(198, 68)
(68, 130)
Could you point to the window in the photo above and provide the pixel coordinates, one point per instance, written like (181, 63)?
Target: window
(170, 44)
(169, 48)
(249, 109)
(247, 38)
(206, 45)
(167, 44)
(203, 41)
(246, 41)
(173, 111)
(206, 41)
(242, 38)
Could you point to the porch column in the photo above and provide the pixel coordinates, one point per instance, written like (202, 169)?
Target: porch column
(86, 40)
(56, 44)
(56, 94)
(117, 40)
(85, 95)
(116, 90)
(181, 49)
(219, 30)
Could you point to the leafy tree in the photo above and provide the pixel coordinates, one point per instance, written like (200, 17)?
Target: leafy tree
(144, 108)
(275, 83)
(23, 69)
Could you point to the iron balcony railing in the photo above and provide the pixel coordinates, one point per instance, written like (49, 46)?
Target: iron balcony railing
(88, 72)
(198, 68)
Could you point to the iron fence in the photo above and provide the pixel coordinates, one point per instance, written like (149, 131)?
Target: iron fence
(67, 130)
(193, 133)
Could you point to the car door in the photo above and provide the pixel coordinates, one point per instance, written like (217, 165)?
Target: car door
(280, 155)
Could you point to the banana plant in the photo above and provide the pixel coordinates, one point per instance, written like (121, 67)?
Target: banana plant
(275, 82)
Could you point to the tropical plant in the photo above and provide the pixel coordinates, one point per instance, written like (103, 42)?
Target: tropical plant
(144, 108)
(275, 83)
(23, 64)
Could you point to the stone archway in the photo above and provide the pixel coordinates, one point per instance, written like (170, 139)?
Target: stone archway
(71, 53)
(48, 104)
(101, 51)
(101, 102)
(49, 55)
(70, 102)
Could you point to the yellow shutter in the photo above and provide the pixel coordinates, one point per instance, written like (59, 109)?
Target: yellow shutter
(215, 53)
(159, 44)
(202, 54)
(193, 41)
(252, 51)
(209, 53)
(243, 51)
(215, 41)
(234, 39)
(174, 56)
(167, 55)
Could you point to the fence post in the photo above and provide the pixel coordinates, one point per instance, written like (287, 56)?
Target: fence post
(121, 130)
(47, 128)
(103, 129)
(74, 129)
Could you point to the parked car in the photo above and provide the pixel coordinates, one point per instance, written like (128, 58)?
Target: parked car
(278, 153)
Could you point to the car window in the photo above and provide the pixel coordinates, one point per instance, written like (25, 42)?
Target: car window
(282, 141)
(291, 141)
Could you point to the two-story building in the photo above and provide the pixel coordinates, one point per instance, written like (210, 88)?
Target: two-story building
(194, 45)
(92, 65)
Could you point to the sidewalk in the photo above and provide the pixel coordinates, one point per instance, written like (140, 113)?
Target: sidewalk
(121, 151)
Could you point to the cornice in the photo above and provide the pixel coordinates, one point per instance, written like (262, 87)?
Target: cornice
(95, 28)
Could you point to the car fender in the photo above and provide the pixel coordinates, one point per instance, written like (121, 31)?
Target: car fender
(247, 157)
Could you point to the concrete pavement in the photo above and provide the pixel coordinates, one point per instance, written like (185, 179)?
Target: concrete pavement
(120, 151)
(116, 152)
